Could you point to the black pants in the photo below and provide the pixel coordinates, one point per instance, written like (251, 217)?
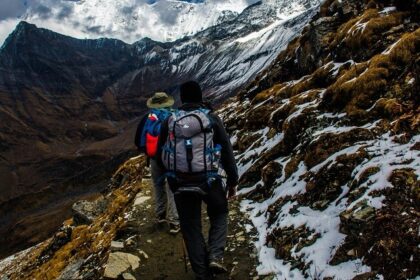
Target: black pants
(189, 210)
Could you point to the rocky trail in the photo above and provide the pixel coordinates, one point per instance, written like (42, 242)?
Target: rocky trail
(161, 254)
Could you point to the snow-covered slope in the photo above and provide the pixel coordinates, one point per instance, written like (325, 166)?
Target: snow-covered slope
(327, 141)
(129, 20)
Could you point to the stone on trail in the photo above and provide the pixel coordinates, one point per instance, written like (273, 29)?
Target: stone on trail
(131, 243)
(143, 253)
(240, 239)
(116, 245)
(118, 263)
(140, 199)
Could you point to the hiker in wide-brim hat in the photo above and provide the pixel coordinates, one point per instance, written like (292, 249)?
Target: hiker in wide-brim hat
(160, 100)
(146, 140)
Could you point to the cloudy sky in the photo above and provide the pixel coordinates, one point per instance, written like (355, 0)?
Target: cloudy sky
(128, 20)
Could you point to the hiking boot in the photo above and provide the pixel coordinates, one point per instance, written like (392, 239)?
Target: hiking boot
(161, 219)
(217, 266)
(174, 228)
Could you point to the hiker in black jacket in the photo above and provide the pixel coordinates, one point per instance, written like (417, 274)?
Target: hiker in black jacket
(205, 260)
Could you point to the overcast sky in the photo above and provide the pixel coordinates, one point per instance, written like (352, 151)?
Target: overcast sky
(128, 20)
(13, 11)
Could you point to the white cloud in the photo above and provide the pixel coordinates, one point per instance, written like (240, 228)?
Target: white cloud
(6, 27)
(128, 20)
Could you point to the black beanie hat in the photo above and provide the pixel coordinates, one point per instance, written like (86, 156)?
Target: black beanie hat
(191, 92)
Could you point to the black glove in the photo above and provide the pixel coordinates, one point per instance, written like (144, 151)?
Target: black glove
(231, 189)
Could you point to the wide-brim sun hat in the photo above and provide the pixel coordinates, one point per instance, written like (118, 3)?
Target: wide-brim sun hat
(160, 100)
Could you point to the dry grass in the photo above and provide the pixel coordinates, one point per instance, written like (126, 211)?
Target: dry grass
(264, 95)
(344, 30)
(362, 31)
(389, 107)
(359, 87)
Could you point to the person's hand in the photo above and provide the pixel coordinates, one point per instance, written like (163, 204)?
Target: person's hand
(231, 194)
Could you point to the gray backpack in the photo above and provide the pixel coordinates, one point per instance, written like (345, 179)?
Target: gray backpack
(189, 147)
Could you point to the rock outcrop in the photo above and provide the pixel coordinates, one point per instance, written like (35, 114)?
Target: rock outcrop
(85, 212)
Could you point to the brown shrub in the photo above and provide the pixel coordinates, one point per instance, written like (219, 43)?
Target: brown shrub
(343, 31)
(389, 107)
(407, 49)
(329, 144)
(372, 5)
(264, 95)
(258, 118)
(365, 30)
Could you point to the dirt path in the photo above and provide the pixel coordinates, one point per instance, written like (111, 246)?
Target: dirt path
(162, 253)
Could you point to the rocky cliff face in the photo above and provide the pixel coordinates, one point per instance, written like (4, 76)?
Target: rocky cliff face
(327, 141)
(69, 107)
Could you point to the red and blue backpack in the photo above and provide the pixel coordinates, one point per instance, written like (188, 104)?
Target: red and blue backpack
(151, 130)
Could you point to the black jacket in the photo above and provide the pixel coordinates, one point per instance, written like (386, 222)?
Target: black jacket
(220, 137)
(138, 134)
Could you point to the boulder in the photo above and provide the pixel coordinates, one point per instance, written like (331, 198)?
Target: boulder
(85, 212)
(119, 263)
(140, 199)
(353, 220)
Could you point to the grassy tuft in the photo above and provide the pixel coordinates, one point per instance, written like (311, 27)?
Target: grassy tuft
(359, 87)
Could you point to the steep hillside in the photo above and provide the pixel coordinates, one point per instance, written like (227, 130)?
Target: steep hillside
(328, 144)
(115, 236)
(83, 243)
(69, 107)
